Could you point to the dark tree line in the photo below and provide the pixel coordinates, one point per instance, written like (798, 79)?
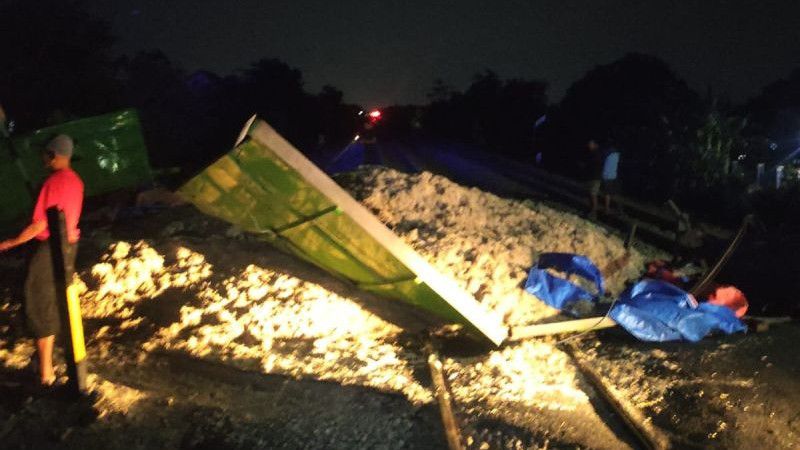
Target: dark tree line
(57, 65)
(56, 62)
(491, 112)
(699, 150)
(191, 118)
(636, 104)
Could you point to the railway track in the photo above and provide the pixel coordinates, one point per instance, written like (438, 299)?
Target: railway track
(631, 427)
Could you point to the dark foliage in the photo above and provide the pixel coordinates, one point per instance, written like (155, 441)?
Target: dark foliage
(775, 116)
(639, 105)
(58, 67)
(56, 63)
(400, 123)
(494, 113)
(766, 265)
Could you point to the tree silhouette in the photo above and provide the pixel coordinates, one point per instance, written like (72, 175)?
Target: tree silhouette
(275, 91)
(335, 122)
(775, 114)
(440, 91)
(494, 113)
(159, 91)
(637, 102)
(55, 62)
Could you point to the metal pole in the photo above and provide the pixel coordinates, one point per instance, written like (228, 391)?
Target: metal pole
(68, 305)
(699, 288)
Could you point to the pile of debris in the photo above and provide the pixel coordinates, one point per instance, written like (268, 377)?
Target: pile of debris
(484, 242)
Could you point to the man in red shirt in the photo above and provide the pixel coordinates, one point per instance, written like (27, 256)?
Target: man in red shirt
(64, 190)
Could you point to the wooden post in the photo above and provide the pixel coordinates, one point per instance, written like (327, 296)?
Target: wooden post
(631, 235)
(68, 305)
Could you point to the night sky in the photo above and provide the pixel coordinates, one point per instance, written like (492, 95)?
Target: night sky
(385, 52)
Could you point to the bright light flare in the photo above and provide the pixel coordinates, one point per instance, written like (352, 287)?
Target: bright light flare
(374, 115)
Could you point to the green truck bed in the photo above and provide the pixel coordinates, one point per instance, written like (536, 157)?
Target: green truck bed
(267, 187)
(109, 155)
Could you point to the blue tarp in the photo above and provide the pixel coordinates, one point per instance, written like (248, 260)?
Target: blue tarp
(654, 310)
(651, 310)
(558, 292)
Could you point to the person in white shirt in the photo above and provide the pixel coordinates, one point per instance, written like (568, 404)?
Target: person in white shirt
(610, 184)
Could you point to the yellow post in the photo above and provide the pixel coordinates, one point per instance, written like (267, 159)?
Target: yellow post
(75, 323)
(68, 304)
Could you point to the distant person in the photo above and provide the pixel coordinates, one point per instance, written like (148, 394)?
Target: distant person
(595, 175)
(64, 190)
(609, 184)
(3, 128)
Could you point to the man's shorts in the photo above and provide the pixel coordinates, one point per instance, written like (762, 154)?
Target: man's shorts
(41, 307)
(594, 187)
(610, 187)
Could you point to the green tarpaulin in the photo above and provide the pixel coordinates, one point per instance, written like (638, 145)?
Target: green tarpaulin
(269, 188)
(109, 155)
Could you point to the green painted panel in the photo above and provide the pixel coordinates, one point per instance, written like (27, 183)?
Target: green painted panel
(16, 201)
(267, 187)
(109, 151)
(109, 155)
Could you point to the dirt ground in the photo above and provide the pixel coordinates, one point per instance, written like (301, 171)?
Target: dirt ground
(201, 337)
(739, 391)
(159, 397)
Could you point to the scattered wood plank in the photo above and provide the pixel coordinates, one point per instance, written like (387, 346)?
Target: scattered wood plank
(567, 326)
(757, 324)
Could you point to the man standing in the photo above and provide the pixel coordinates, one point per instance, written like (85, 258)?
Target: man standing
(3, 129)
(609, 184)
(64, 190)
(595, 175)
